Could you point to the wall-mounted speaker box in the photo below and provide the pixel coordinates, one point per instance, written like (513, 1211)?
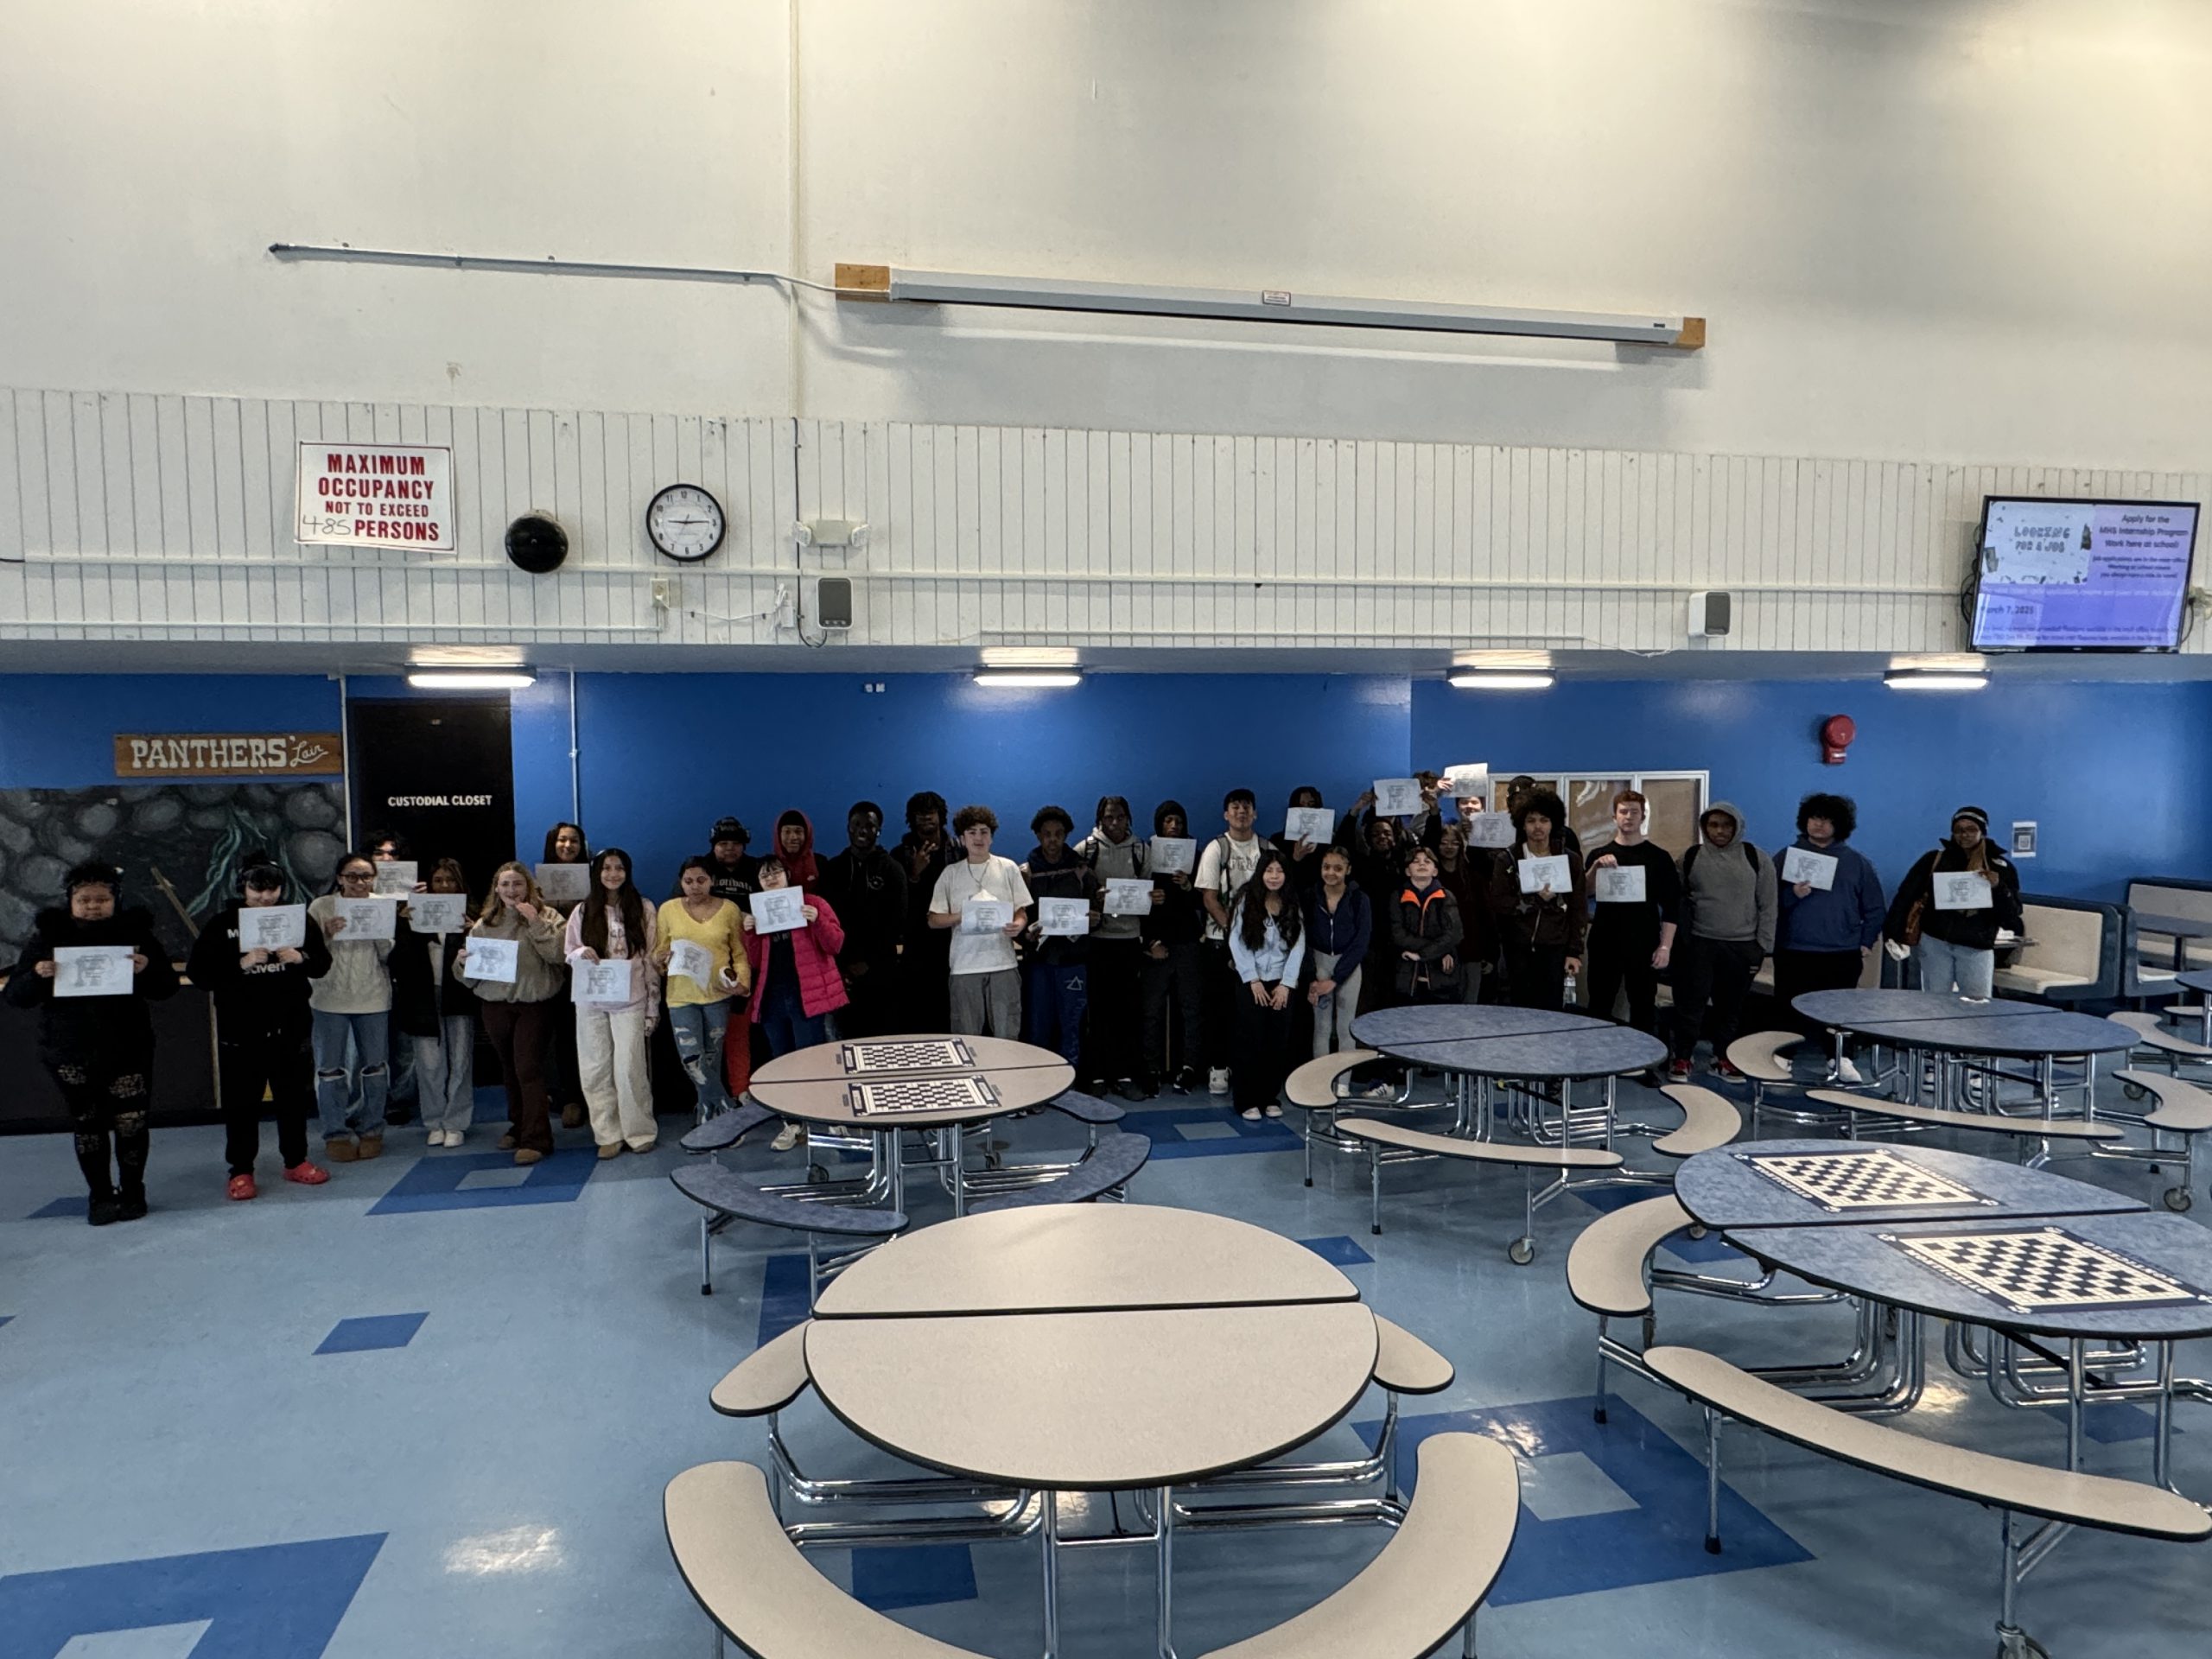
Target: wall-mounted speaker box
(833, 602)
(1709, 615)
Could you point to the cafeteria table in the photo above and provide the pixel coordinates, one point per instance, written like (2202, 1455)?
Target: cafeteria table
(2199, 981)
(2181, 929)
(1481, 1045)
(1091, 1348)
(1956, 1031)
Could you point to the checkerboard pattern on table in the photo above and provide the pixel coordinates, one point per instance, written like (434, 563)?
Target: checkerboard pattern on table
(1874, 1178)
(934, 1054)
(2029, 1268)
(921, 1095)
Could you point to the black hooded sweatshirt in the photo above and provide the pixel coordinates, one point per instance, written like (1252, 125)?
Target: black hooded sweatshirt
(1178, 917)
(271, 1000)
(80, 1029)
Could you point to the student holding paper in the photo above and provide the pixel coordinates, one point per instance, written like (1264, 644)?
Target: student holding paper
(1056, 980)
(1300, 843)
(519, 1003)
(1631, 938)
(1540, 906)
(615, 925)
(352, 1005)
(986, 988)
(435, 1011)
(400, 1092)
(1957, 947)
(1173, 962)
(796, 984)
(262, 1025)
(699, 1003)
(1338, 926)
(99, 1049)
(1113, 1048)
(925, 851)
(1831, 917)
(566, 844)
(1227, 864)
(1267, 943)
(1467, 877)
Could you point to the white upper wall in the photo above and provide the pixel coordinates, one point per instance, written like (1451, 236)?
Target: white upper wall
(1923, 230)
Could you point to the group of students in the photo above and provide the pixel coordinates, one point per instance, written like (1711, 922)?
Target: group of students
(1262, 951)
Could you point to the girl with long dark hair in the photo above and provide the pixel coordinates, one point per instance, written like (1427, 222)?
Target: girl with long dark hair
(698, 1009)
(1266, 942)
(615, 923)
(437, 1012)
(351, 1002)
(565, 843)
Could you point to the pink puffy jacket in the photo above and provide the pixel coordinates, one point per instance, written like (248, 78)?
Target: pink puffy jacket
(814, 949)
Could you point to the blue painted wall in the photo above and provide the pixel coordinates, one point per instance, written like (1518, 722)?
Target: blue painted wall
(57, 731)
(2118, 777)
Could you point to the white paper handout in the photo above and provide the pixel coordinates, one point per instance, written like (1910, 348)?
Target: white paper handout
(564, 884)
(1960, 890)
(272, 927)
(1063, 918)
(1470, 778)
(396, 879)
(1313, 823)
(367, 920)
(1128, 896)
(985, 915)
(779, 910)
(495, 961)
(1621, 884)
(92, 970)
(1174, 854)
(1490, 830)
(689, 959)
(1537, 873)
(601, 982)
(1397, 797)
(437, 912)
(1801, 867)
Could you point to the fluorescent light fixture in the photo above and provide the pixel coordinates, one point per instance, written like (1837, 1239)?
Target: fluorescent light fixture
(481, 679)
(1942, 662)
(896, 282)
(1935, 682)
(1029, 656)
(1484, 679)
(1033, 677)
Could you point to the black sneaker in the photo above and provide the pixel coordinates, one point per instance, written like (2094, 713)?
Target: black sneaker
(132, 1206)
(1137, 1088)
(100, 1212)
(1187, 1079)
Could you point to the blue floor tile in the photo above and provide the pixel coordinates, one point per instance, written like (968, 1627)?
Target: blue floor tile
(2118, 1424)
(1220, 1132)
(922, 1575)
(440, 1183)
(783, 1299)
(1340, 1250)
(59, 1209)
(375, 1331)
(282, 1601)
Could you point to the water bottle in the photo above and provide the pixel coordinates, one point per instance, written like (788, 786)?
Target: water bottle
(1573, 997)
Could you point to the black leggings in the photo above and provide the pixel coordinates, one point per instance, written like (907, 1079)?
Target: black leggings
(279, 1062)
(107, 1096)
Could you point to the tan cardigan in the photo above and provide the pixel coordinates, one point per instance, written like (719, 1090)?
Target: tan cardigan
(537, 964)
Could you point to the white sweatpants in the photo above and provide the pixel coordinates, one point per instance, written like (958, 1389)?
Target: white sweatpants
(611, 1054)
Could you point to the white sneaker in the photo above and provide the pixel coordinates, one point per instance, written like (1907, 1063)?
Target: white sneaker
(1847, 1072)
(1218, 1080)
(787, 1137)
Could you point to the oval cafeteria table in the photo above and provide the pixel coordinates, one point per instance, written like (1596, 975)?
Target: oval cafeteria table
(2022, 1252)
(1482, 1043)
(1091, 1348)
(2199, 981)
(1954, 1028)
(880, 1086)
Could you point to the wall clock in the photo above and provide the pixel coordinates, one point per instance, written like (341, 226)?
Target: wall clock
(685, 522)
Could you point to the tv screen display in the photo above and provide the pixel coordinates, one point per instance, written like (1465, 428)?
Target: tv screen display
(2081, 575)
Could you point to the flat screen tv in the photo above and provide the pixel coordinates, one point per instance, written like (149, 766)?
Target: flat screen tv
(2081, 575)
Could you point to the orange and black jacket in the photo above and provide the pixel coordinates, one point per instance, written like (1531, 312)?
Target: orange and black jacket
(1426, 922)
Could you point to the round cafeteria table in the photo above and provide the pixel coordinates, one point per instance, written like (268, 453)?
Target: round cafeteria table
(1482, 1043)
(882, 1086)
(1954, 1029)
(2199, 981)
(1091, 1348)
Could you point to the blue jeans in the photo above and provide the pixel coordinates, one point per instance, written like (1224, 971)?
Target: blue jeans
(1053, 1001)
(1943, 965)
(369, 1033)
(785, 1021)
(700, 1029)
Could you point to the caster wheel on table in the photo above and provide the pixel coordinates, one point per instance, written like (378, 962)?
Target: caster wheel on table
(1520, 1252)
(2179, 1197)
(1697, 1229)
(815, 1173)
(2025, 1647)
(2132, 1090)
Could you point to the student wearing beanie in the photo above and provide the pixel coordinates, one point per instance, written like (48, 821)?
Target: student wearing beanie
(1956, 949)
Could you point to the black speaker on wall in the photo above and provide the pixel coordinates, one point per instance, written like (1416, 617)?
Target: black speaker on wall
(537, 544)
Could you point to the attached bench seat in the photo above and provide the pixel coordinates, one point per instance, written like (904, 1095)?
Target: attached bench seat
(1406, 1364)
(1430, 1578)
(2152, 1033)
(726, 1192)
(1107, 1169)
(726, 1129)
(1606, 1273)
(1424, 1143)
(2054, 1495)
(2184, 1109)
(1087, 1108)
(1312, 1086)
(1709, 1119)
(2030, 1129)
(751, 1581)
(766, 1380)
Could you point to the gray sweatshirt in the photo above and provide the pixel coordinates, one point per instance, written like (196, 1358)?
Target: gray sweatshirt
(1728, 893)
(1121, 861)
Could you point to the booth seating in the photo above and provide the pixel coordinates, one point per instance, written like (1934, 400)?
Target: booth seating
(2060, 1498)
(2172, 895)
(2034, 1130)
(2145, 973)
(1103, 1173)
(1528, 1159)
(726, 1195)
(2073, 952)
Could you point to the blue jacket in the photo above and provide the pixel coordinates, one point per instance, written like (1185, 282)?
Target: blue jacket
(1846, 917)
(1343, 933)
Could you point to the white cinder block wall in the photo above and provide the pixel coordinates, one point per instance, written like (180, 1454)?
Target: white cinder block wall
(1944, 250)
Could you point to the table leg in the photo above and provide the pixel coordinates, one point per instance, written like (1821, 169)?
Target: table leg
(2077, 1386)
(1048, 1533)
(894, 1163)
(1613, 1085)
(1167, 1567)
(959, 1133)
(2162, 1446)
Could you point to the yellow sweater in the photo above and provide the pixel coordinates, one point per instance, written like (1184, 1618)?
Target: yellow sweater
(719, 936)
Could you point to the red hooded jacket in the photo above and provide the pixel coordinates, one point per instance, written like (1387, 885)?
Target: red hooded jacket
(799, 867)
(814, 952)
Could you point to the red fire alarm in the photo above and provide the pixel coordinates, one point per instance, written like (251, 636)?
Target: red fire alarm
(1836, 734)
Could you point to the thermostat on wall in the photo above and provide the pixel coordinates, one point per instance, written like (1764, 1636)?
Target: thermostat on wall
(833, 602)
(1709, 615)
